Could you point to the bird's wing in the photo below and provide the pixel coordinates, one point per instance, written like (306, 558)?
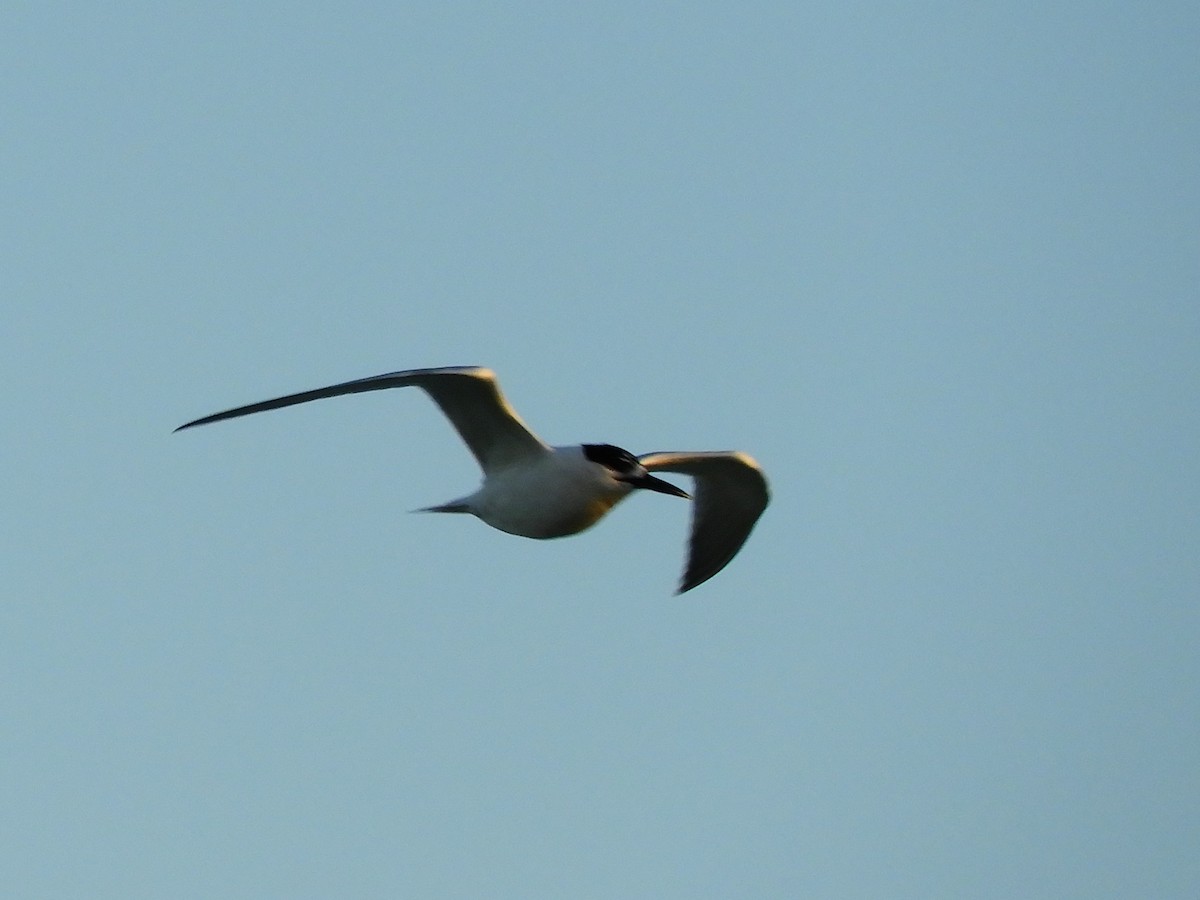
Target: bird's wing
(729, 496)
(468, 395)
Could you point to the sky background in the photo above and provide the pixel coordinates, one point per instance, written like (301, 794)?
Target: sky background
(936, 266)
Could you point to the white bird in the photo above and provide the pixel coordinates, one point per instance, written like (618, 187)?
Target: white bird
(534, 490)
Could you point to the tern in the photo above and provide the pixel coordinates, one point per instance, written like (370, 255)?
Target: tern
(535, 490)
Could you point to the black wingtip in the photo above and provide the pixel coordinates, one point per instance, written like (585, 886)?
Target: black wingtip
(215, 417)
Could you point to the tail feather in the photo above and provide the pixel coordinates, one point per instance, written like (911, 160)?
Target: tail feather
(456, 506)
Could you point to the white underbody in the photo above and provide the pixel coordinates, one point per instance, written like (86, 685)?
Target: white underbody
(555, 495)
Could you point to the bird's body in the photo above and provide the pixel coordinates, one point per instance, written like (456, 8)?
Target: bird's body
(534, 490)
(554, 495)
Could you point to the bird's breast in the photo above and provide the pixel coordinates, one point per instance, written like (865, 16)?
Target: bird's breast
(545, 502)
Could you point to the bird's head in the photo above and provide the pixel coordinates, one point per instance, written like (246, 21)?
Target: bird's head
(622, 466)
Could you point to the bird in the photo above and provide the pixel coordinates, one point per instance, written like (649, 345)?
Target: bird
(535, 490)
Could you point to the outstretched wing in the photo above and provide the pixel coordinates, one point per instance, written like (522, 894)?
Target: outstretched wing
(468, 395)
(729, 496)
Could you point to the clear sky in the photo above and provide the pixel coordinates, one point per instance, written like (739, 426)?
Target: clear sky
(937, 266)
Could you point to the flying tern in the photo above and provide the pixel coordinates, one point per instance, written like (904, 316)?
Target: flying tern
(535, 490)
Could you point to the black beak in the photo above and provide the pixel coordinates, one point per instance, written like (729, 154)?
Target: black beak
(650, 483)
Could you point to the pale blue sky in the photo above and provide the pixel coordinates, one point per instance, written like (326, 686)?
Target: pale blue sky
(937, 266)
